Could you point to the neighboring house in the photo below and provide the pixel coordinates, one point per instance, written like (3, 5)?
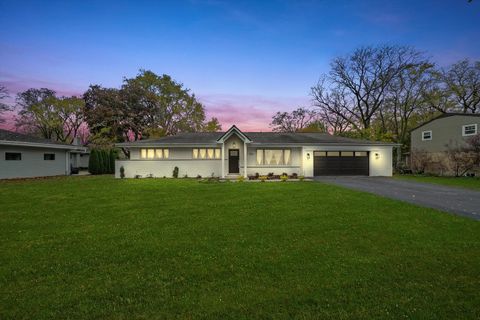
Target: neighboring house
(432, 139)
(248, 153)
(24, 156)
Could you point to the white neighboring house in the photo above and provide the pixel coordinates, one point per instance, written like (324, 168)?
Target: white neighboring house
(24, 156)
(248, 153)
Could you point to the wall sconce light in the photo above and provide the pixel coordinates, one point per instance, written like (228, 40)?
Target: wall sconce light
(234, 144)
(308, 156)
(377, 156)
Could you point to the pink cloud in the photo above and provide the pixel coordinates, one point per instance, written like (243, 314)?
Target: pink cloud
(248, 112)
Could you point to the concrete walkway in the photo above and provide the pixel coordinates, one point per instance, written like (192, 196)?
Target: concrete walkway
(458, 201)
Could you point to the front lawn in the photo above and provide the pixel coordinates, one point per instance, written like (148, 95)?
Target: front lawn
(463, 182)
(95, 247)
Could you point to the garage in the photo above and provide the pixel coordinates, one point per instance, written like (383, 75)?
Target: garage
(335, 163)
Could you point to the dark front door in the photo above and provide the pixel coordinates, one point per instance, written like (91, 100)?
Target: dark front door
(335, 163)
(233, 161)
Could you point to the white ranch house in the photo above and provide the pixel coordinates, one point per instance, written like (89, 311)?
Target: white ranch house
(233, 153)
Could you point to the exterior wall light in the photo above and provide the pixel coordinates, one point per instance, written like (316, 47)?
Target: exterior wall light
(377, 156)
(234, 144)
(308, 156)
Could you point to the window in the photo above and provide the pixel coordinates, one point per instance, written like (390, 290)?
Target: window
(347, 154)
(360, 153)
(49, 156)
(333, 154)
(154, 154)
(469, 129)
(274, 157)
(319, 154)
(210, 153)
(426, 135)
(13, 156)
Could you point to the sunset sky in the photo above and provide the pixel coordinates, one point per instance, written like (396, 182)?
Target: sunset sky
(245, 60)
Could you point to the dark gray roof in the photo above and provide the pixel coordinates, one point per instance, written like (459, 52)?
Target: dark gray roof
(256, 137)
(446, 115)
(11, 136)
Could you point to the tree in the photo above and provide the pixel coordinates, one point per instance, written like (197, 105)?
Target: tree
(405, 98)
(462, 84)
(354, 89)
(213, 125)
(42, 112)
(315, 126)
(93, 162)
(292, 121)
(3, 107)
(165, 106)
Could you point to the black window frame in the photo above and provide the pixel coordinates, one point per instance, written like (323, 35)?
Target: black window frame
(47, 155)
(17, 156)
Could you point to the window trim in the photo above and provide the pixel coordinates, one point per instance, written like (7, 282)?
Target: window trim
(423, 135)
(17, 153)
(469, 134)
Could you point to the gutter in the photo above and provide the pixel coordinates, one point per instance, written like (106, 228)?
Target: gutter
(42, 145)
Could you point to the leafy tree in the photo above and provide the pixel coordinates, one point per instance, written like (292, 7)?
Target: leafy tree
(164, 105)
(462, 83)
(3, 107)
(293, 121)
(93, 162)
(42, 112)
(315, 126)
(213, 125)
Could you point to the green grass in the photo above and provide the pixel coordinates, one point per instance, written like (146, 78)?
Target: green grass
(99, 248)
(463, 182)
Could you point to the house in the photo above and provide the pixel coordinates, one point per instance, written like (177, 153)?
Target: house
(248, 153)
(431, 140)
(24, 156)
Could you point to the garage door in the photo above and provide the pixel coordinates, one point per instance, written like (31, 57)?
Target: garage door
(335, 163)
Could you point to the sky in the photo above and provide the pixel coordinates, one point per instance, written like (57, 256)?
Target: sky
(244, 60)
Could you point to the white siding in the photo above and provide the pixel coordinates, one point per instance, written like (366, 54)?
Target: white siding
(32, 163)
(164, 168)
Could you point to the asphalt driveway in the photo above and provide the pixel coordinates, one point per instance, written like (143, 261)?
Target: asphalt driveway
(454, 200)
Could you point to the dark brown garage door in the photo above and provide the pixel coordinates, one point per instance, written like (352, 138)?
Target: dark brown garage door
(336, 163)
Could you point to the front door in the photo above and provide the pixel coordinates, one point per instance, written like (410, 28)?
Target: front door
(233, 161)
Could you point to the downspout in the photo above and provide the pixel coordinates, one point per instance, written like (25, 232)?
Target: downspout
(245, 159)
(223, 160)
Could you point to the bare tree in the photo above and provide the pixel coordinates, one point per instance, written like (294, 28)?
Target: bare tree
(462, 83)
(3, 107)
(292, 121)
(405, 98)
(356, 86)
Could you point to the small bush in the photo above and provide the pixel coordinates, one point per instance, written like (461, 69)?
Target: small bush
(294, 176)
(185, 175)
(199, 176)
(263, 178)
(240, 178)
(284, 177)
(122, 172)
(175, 172)
(301, 178)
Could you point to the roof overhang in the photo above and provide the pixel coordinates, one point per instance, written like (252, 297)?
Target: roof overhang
(42, 145)
(230, 132)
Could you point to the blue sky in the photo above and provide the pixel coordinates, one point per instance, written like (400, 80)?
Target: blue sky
(243, 59)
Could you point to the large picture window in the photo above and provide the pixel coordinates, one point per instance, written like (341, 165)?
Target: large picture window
(206, 153)
(151, 154)
(274, 157)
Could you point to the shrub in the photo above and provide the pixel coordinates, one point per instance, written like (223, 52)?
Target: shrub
(199, 176)
(263, 178)
(122, 172)
(284, 177)
(175, 172)
(301, 178)
(240, 178)
(93, 162)
(185, 176)
(294, 176)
